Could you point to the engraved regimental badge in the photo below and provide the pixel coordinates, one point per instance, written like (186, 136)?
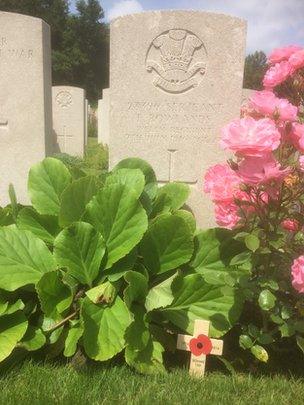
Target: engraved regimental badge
(178, 60)
(64, 99)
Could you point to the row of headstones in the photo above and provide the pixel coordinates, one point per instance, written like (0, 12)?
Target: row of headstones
(175, 80)
(36, 120)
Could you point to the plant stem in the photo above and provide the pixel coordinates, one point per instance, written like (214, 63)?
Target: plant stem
(63, 322)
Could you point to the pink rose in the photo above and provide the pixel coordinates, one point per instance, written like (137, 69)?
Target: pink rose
(296, 136)
(286, 110)
(301, 163)
(284, 53)
(221, 182)
(297, 60)
(277, 74)
(250, 137)
(290, 225)
(226, 214)
(265, 102)
(297, 273)
(261, 170)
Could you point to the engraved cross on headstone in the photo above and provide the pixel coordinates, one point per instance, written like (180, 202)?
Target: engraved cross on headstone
(171, 169)
(65, 137)
(200, 345)
(3, 123)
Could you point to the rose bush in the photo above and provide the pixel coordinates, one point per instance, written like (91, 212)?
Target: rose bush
(266, 204)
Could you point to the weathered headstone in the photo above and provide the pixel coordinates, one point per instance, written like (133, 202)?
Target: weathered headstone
(69, 120)
(176, 79)
(25, 100)
(104, 117)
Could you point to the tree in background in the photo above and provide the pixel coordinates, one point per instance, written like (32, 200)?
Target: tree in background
(255, 68)
(84, 57)
(54, 12)
(80, 42)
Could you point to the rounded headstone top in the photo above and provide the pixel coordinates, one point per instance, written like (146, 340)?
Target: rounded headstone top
(63, 96)
(16, 17)
(72, 88)
(178, 13)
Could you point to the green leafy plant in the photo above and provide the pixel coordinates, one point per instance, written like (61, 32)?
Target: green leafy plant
(94, 162)
(112, 265)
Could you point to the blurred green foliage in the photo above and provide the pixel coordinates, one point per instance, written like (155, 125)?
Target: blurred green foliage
(94, 162)
(255, 68)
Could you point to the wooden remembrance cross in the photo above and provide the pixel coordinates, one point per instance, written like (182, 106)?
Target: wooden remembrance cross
(200, 345)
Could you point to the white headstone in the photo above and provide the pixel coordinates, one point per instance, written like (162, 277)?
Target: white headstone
(176, 79)
(69, 120)
(104, 117)
(25, 100)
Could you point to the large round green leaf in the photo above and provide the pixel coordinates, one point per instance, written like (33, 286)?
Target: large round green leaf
(121, 267)
(80, 248)
(178, 194)
(137, 289)
(33, 340)
(46, 182)
(119, 216)
(55, 296)
(214, 250)
(23, 258)
(44, 227)
(138, 333)
(167, 244)
(104, 328)
(187, 217)
(148, 360)
(75, 198)
(196, 299)
(150, 177)
(161, 205)
(71, 342)
(132, 178)
(12, 330)
(161, 294)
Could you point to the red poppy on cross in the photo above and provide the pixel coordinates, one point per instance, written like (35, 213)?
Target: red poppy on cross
(200, 345)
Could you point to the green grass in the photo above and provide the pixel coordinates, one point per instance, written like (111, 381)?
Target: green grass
(46, 384)
(92, 141)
